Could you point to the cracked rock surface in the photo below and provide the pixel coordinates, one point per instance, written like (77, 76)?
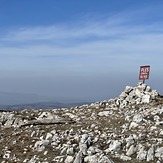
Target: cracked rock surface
(128, 129)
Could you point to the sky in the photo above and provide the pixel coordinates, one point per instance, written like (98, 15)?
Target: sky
(80, 50)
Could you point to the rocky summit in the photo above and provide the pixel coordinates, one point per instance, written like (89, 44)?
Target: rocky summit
(128, 129)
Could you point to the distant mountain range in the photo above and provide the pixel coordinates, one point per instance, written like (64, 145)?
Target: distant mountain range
(16, 101)
(12, 98)
(41, 105)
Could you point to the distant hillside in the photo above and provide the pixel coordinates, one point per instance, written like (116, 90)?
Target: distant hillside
(13, 99)
(41, 105)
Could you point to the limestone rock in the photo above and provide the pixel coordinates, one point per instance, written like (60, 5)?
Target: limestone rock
(142, 154)
(159, 153)
(125, 158)
(130, 140)
(115, 145)
(69, 159)
(79, 158)
(138, 118)
(105, 113)
(150, 153)
(146, 99)
(132, 150)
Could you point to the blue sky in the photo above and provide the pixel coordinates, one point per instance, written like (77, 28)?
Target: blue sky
(79, 49)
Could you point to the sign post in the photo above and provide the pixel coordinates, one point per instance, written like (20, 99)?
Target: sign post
(144, 73)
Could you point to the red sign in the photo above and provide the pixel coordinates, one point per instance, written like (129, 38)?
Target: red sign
(144, 72)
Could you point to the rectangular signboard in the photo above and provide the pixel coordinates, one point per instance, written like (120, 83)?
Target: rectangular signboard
(144, 72)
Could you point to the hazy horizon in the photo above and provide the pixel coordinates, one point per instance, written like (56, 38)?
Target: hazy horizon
(19, 98)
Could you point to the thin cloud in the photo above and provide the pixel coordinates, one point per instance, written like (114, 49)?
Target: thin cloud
(114, 36)
(107, 27)
(94, 29)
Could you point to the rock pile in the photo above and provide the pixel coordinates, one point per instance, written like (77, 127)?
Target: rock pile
(140, 94)
(125, 129)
